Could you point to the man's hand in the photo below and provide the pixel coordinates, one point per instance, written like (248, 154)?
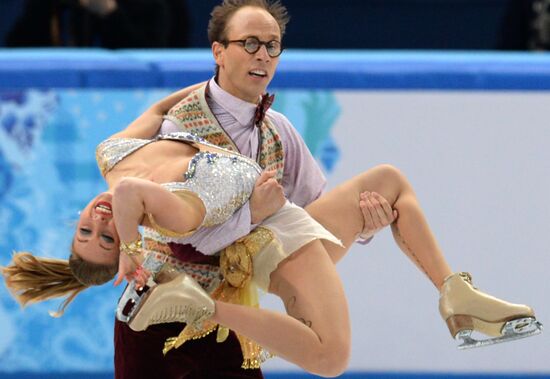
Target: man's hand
(267, 198)
(377, 213)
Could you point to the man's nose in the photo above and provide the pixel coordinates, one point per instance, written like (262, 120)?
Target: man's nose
(262, 53)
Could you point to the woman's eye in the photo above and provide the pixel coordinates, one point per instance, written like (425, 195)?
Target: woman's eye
(107, 238)
(85, 232)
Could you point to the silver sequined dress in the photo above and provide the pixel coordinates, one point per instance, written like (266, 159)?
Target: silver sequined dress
(223, 180)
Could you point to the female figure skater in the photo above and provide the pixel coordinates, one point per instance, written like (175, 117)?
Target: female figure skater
(203, 186)
(217, 182)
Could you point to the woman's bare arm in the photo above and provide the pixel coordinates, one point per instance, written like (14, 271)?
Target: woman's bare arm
(148, 124)
(133, 198)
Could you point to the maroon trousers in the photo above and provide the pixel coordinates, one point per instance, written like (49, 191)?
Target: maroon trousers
(139, 355)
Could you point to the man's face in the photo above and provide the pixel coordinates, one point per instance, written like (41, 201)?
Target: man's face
(245, 75)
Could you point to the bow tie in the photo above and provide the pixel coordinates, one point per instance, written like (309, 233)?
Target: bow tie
(262, 108)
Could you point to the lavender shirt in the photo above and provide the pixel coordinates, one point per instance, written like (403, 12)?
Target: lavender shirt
(303, 180)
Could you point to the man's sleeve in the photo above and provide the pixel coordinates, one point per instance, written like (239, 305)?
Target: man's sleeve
(303, 179)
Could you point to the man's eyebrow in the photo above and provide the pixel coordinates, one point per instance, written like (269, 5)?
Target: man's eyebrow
(273, 37)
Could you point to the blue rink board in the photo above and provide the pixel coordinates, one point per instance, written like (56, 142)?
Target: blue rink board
(288, 375)
(345, 69)
(88, 70)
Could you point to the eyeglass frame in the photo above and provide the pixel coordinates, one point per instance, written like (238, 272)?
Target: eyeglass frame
(260, 44)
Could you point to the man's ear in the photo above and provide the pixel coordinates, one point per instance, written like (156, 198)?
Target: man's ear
(217, 51)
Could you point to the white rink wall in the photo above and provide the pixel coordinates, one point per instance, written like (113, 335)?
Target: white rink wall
(480, 165)
(469, 130)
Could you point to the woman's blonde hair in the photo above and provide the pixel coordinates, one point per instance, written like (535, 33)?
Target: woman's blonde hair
(33, 279)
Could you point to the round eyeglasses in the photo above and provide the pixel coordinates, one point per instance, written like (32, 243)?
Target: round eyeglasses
(252, 44)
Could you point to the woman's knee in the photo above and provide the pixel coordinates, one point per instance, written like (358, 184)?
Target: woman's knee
(390, 173)
(387, 180)
(333, 359)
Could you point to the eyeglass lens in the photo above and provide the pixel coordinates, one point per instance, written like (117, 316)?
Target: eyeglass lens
(253, 44)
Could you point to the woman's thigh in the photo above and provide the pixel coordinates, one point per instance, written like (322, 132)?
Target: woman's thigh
(312, 292)
(339, 212)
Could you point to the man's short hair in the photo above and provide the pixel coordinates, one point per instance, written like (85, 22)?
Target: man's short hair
(221, 14)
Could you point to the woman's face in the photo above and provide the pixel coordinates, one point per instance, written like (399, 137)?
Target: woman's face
(96, 239)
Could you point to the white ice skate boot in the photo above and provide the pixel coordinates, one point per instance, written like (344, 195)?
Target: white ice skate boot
(179, 300)
(465, 309)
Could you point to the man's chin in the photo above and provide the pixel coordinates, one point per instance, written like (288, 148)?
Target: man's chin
(259, 90)
(254, 96)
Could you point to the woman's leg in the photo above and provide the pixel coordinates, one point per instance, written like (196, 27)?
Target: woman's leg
(317, 336)
(463, 307)
(339, 212)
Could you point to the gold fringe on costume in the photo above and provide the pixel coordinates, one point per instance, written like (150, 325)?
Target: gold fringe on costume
(236, 264)
(188, 333)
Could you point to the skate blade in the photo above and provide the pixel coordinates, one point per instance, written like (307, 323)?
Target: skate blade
(131, 300)
(512, 330)
(133, 323)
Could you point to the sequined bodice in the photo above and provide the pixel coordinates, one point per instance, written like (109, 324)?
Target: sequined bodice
(223, 183)
(223, 180)
(113, 150)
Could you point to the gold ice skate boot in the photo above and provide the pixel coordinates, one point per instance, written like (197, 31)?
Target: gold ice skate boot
(465, 309)
(179, 300)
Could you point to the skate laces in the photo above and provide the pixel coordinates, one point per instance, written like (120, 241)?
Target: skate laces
(171, 313)
(181, 313)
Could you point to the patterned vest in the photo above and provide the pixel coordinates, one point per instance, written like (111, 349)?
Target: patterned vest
(193, 115)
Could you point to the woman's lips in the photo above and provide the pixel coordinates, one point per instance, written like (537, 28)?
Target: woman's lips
(104, 208)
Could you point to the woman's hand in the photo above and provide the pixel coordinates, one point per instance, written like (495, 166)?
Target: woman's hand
(141, 276)
(127, 267)
(130, 269)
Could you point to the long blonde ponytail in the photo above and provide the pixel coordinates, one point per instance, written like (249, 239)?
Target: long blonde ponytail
(33, 279)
